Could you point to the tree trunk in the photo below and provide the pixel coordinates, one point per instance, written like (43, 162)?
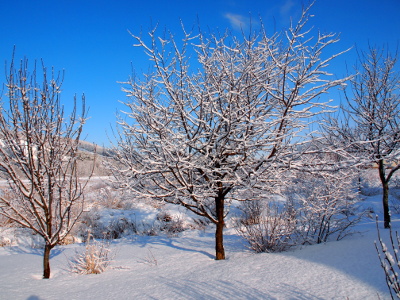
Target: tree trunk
(46, 261)
(385, 196)
(385, 202)
(219, 233)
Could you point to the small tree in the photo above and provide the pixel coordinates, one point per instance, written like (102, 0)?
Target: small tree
(38, 157)
(202, 137)
(370, 127)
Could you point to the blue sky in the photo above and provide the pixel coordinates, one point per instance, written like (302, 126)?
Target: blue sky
(90, 39)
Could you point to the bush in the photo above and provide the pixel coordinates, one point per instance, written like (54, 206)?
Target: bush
(5, 241)
(107, 223)
(94, 259)
(390, 261)
(317, 207)
(171, 225)
(109, 197)
(265, 226)
(369, 183)
(325, 206)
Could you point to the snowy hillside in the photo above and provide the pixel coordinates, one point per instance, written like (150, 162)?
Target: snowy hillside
(182, 267)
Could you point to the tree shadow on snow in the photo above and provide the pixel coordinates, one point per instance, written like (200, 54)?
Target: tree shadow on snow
(34, 251)
(190, 244)
(33, 297)
(200, 244)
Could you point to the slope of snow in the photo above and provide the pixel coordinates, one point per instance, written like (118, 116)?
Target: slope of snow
(183, 267)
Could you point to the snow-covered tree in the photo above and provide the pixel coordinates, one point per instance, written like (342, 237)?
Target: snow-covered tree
(38, 157)
(204, 132)
(370, 125)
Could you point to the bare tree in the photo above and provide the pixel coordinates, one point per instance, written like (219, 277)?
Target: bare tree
(370, 126)
(223, 127)
(38, 157)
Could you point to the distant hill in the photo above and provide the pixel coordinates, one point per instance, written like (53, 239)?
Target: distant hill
(93, 148)
(91, 153)
(91, 157)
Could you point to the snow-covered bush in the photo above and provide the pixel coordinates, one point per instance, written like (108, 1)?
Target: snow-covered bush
(252, 212)
(109, 197)
(316, 207)
(394, 194)
(5, 237)
(95, 258)
(107, 223)
(6, 222)
(5, 241)
(394, 200)
(369, 183)
(325, 206)
(395, 183)
(390, 261)
(140, 219)
(69, 239)
(170, 224)
(120, 227)
(266, 226)
(23, 237)
(103, 194)
(200, 223)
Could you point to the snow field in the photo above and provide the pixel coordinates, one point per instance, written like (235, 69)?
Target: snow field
(183, 268)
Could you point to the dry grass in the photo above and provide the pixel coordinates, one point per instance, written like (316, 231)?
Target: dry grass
(95, 259)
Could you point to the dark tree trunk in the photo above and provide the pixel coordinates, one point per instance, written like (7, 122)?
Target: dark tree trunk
(219, 233)
(385, 202)
(46, 261)
(385, 196)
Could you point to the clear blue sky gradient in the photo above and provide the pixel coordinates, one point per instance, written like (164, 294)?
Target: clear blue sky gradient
(90, 39)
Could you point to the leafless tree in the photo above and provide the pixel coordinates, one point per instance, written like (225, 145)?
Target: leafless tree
(38, 156)
(205, 132)
(370, 125)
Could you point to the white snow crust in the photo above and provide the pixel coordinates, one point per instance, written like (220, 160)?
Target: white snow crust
(183, 267)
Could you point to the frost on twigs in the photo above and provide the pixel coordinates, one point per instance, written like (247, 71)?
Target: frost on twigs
(389, 259)
(39, 156)
(368, 125)
(326, 205)
(220, 118)
(95, 258)
(314, 208)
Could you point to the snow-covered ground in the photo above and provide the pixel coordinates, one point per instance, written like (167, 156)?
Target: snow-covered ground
(159, 267)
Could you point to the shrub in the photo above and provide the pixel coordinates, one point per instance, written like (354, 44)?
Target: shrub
(119, 227)
(5, 241)
(265, 226)
(94, 259)
(390, 261)
(325, 206)
(111, 198)
(107, 223)
(369, 183)
(171, 225)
